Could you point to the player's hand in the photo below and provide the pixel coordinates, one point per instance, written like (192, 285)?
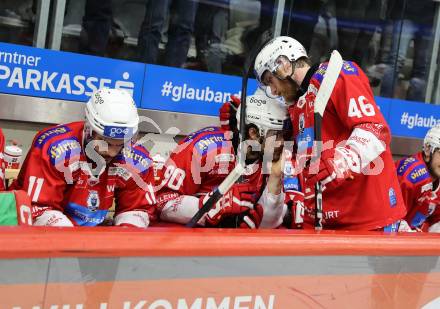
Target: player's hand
(333, 171)
(239, 199)
(228, 112)
(277, 167)
(275, 179)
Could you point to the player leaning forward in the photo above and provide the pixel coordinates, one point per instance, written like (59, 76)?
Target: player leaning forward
(419, 176)
(201, 162)
(74, 171)
(361, 191)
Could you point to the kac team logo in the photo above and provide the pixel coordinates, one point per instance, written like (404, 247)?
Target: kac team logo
(93, 200)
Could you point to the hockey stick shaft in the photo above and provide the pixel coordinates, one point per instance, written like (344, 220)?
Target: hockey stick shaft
(247, 70)
(318, 185)
(241, 151)
(325, 90)
(217, 194)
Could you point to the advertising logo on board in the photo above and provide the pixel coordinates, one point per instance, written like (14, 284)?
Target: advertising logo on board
(62, 75)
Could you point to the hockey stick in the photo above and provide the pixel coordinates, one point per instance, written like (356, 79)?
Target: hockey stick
(325, 90)
(240, 167)
(218, 193)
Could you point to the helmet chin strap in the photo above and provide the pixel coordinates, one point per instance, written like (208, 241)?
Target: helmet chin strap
(293, 71)
(302, 88)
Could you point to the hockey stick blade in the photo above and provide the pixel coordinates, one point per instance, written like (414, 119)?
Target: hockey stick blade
(325, 90)
(328, 83)
(217, 194)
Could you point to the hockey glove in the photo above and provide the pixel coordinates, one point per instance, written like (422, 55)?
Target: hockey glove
(239, 199)
(228, 111)
(251, 219)
(334, 171)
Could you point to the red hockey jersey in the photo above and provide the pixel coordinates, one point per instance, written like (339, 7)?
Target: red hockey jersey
(352, 119)
(2, 161)
(196, 167)
(293, 187)
(421, 199)
(57, 176)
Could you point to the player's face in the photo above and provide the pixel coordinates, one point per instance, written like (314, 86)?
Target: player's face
(114, 147)
(273, 144)
(435, 163)
(270, 145)
(285, 88)
(253, 153)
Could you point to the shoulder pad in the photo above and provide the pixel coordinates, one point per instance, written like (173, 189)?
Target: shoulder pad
(61, 150)
(349, 68)
(405, 164)
(319, 74)
(47, 134)
(418, 174)
(195, 135)
(204, 144)
(137, 157)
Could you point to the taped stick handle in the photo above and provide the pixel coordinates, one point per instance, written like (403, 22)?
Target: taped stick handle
(318, 185)
(224, 187)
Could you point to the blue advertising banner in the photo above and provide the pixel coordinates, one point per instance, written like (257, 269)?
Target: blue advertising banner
(384, 105)
(412, 119)
(45, 73)
(188, 91)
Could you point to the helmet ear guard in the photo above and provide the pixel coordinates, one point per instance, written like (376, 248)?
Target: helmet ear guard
(111, 113)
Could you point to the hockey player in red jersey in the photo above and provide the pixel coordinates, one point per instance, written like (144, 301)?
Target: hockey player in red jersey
(361, 191)
(74, 171)
(203, 160)
(2, 161)
(291, 213)
(419, 180)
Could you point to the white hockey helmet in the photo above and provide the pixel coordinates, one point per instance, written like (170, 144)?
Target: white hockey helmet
(265, 113)
(268, 59)
(112, 113)
(432, 139)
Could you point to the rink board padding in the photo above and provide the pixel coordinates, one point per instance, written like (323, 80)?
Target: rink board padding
(180, 268)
